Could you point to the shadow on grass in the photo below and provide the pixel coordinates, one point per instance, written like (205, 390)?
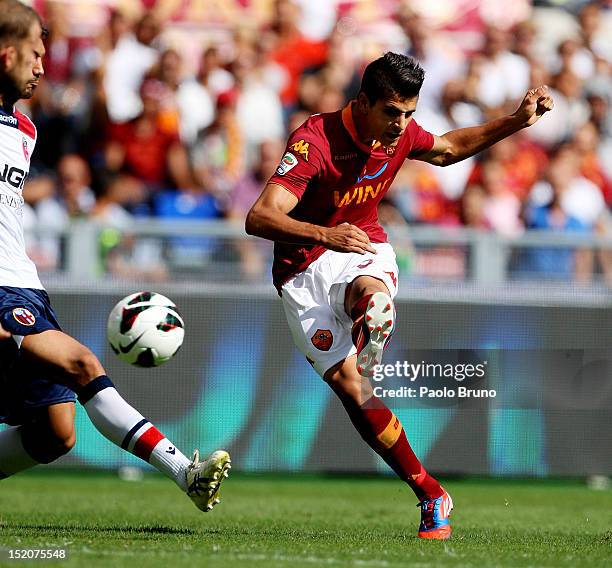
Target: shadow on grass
(44, 529)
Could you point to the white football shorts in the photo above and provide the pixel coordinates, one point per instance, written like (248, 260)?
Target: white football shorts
(314, 302)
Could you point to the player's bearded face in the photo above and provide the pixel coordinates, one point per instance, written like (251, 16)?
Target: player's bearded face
(27, 68)
(389, 117)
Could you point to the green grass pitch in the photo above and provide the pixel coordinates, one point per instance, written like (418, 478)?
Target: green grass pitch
(292, 521)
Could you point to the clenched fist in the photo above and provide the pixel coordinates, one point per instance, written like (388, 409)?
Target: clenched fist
(534, 105)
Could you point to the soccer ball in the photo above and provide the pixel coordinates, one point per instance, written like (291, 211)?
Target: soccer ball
(145, 329)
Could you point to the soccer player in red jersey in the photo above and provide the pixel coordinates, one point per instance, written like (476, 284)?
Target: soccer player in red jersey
(333, 268)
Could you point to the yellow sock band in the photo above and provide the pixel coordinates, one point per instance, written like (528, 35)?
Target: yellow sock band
(391, 433)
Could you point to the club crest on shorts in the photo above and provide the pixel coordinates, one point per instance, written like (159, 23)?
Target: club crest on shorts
(322, 339)
(24, 316)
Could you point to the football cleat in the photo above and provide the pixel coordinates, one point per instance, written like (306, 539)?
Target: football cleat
(375, 333)
(434, 517)
(204, 478)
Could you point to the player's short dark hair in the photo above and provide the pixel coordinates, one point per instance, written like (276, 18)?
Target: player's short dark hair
(16, 21)
(392, 75)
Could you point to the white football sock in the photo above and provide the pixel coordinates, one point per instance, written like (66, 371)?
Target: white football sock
(123, 425)
(13, 456)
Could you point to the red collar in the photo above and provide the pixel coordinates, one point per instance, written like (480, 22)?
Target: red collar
(349, 124)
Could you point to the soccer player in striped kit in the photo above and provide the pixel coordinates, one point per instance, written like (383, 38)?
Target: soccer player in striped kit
(333, 268)
(41, 367)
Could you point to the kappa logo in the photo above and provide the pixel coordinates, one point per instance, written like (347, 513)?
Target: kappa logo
(301, 148)
(342, 157)
(392, 276)
(288, 162)
(322, 339)
(24, 316)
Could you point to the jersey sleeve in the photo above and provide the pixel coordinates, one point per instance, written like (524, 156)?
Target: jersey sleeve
(301, 163)
(25, 125)
(421, 140)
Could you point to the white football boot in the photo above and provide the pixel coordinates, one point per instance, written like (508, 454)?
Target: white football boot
(376, 329)
(204, 478)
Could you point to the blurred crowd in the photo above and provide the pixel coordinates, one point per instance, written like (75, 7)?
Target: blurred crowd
(125, 129)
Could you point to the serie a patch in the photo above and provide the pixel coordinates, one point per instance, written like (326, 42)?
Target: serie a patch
(288, 162)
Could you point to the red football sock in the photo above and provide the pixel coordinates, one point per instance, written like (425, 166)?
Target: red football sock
(382, 430)
(357, 313)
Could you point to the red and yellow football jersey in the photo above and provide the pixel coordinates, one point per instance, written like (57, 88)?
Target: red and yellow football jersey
(337, 179)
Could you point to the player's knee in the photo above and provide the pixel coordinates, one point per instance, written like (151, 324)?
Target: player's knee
(46, 445)
(85, 366)
(55, 447)
(59, 445)
(61, 430)
(366, 285)
(65, 444)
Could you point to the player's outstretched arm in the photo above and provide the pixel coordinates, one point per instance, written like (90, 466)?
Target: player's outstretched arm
(269, 218)
(460, 144)
(3, 333)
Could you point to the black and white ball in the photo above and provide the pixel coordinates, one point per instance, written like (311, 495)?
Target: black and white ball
(145, 329)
